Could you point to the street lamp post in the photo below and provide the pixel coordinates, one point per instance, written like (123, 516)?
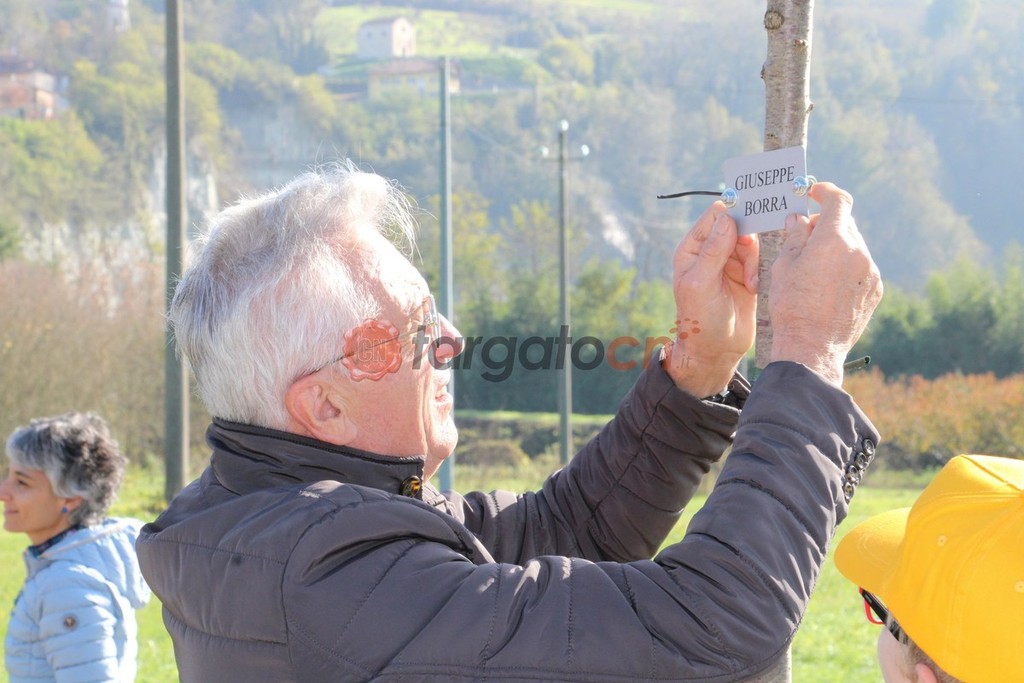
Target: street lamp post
(564, 313)
(175, 372)
(446, 297)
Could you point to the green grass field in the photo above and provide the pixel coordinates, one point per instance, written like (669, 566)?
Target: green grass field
(834, 644)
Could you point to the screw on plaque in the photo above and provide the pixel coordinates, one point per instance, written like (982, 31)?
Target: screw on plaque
(729, 197)
(802, 184)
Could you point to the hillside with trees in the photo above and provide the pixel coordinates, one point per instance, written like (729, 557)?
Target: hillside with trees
(918, 112)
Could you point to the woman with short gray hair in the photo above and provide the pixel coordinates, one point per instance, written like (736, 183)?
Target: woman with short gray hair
(74, 618)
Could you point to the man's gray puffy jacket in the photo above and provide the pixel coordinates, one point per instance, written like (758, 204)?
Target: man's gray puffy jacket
(295, 560)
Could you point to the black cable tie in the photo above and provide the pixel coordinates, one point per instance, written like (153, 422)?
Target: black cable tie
(707, 193)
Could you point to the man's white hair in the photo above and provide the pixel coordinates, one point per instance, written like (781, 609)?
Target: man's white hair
(268, 293)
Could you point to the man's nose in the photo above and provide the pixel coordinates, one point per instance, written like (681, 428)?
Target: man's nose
(450, 343)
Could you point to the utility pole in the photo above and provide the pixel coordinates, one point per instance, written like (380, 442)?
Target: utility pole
(564, 314)
(175, 372)
(446, 301)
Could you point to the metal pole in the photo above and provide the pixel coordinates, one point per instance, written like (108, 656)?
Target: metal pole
(175, 373)
(446, 302)
(565, 377)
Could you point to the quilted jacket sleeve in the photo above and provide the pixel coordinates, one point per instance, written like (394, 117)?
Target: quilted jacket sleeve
(78, 626)
(721, 605)
(623, 492)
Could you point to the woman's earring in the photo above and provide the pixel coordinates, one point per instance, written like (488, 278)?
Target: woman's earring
(64, 510)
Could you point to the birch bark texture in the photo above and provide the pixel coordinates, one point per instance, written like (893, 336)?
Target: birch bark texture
(786, 74)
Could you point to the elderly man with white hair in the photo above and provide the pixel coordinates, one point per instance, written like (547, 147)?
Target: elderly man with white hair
(315, 548)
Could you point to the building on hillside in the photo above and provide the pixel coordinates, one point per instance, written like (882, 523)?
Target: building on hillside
(418, 76)
(386, 38)
(26, 91)
(119, 15)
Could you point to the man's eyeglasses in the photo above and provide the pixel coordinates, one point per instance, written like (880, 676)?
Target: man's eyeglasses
(877, 613)
(426, 332)
(432, 324)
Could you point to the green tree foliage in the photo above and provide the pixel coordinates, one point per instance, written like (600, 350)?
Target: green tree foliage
(967, 322)
(49, 172)
(478, 279)
(506, 286)
(964, 316)
(567, 60)
(23, 29)
(1008, 332)
(629, 319)
(897, 164)
(279, 32)
(221, 79)
(893, 336)
(653, 89)
(10, 241)
(120, 105)
(491, 372)
(123, 110)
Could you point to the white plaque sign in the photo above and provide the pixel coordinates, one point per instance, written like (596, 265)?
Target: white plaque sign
(764, 188)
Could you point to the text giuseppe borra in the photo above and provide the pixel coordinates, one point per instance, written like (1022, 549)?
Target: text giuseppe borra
(773, 176)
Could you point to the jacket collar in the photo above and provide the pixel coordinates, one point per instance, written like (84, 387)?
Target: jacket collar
(39, 549)
(247, 458)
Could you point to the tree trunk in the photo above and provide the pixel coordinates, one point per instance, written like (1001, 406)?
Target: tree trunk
(786, 75)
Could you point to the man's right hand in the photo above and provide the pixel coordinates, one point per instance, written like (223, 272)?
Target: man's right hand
(714, 278)
(825, 286)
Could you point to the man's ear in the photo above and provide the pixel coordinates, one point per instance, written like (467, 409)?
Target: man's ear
(317, 410)
(924, 673)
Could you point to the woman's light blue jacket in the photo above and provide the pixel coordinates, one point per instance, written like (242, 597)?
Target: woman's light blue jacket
(74, 619)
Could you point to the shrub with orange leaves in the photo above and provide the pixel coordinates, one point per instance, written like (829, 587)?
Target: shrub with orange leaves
(926, 422)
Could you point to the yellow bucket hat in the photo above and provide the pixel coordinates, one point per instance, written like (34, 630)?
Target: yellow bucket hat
(950, 569)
